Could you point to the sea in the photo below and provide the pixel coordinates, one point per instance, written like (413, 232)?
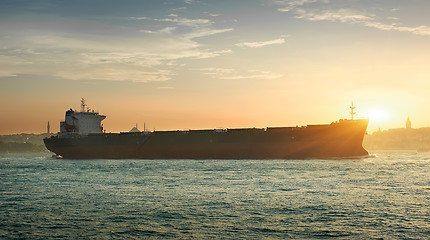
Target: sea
(385, 195)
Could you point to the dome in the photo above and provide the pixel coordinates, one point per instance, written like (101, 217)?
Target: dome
(134, 129)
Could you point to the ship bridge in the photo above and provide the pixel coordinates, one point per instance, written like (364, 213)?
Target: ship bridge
(85, 122)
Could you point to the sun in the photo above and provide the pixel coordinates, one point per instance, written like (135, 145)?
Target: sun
(377, 114)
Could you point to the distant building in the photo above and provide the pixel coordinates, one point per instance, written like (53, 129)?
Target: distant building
(48, 130)
(408, 123)
(134, 129)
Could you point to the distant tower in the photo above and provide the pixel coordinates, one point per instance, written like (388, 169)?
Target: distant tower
(352, 111)
(408, 123)
(48, 128)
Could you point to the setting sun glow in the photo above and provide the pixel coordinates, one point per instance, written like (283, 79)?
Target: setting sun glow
(377, 115)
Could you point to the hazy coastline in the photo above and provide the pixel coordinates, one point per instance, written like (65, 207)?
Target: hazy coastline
(23, 143)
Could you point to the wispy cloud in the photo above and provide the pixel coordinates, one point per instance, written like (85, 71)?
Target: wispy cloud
(74, 65)
(312, 10)
(261, 44)
(338, 15)
(206, 32)
(146, 54)
(288, 5)
(115, 73)
(190, 1)
(166, 30)
(173, 18)
(228, 73)
(200, 27)
(420, 30)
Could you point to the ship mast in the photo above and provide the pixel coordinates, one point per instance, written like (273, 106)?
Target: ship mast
(83, 105)
(352, 111)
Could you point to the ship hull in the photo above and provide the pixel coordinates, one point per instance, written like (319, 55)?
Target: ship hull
(336, 140)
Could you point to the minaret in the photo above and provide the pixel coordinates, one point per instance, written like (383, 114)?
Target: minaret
(352, 111)
(408, 123)
(48, 128)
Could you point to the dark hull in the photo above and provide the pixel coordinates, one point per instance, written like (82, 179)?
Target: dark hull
(342, 139)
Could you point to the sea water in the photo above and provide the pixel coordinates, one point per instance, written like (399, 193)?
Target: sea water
(384, 196)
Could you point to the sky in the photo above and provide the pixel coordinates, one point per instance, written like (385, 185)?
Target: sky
(193, 64)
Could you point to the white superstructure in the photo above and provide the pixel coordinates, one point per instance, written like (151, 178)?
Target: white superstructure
(81, 123)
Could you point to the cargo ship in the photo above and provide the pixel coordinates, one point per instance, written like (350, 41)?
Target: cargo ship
(82, 136)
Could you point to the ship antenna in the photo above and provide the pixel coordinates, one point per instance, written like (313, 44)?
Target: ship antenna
(352, 111)
(83, 105)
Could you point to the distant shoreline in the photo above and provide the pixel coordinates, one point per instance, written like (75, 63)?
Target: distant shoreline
(23, 143)
(17, 147)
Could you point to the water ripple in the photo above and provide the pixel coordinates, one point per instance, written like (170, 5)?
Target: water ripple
(383, 196)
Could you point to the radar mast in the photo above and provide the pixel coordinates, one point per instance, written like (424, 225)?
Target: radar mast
(83, 105)
(352, 111)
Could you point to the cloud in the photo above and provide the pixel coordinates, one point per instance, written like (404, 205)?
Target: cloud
(200, 27)
(261, 44)
(75, 66)
(214, 14)
(339, 15)
(289, 5)
(232, 74)
(190, 2)
(212, 54)
(420, 30)
(117, 73)
(6, 73)
(206, 32)
(307, 9)
(149, 52)
(166, 30)
(173, 18)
